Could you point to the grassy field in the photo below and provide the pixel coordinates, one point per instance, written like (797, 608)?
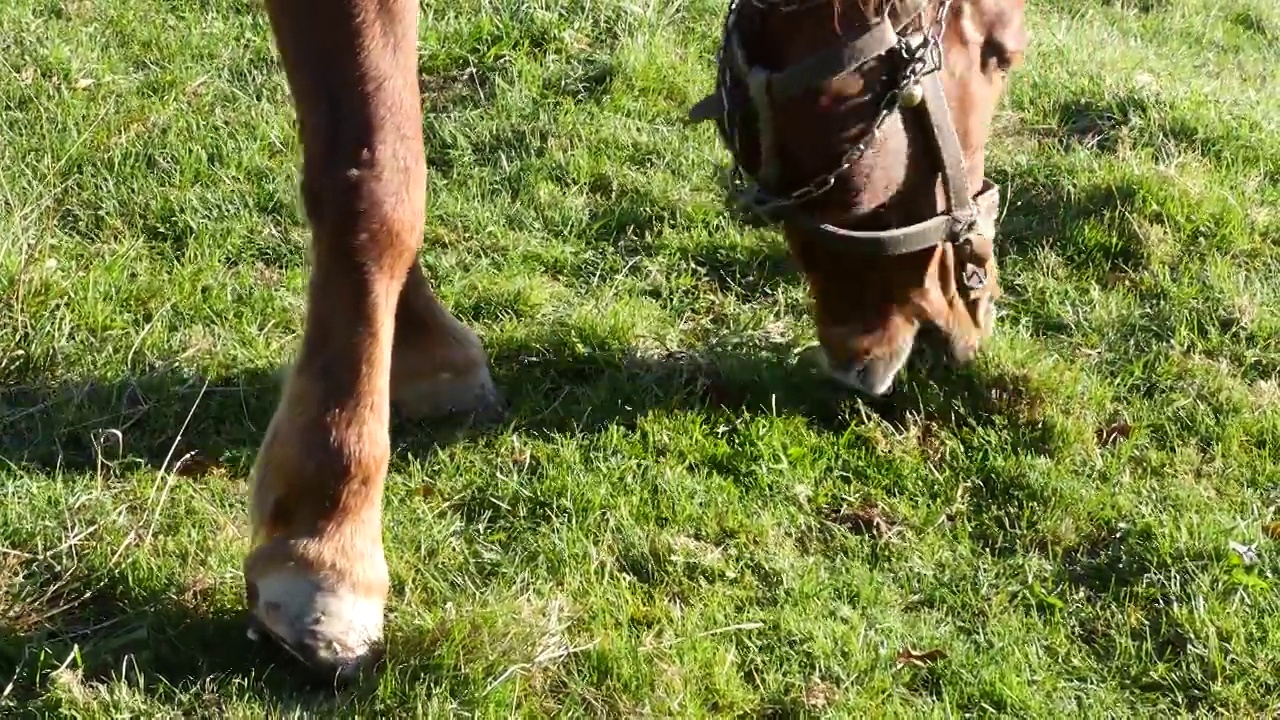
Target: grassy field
(680, 518)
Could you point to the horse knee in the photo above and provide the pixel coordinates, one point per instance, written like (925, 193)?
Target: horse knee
(366, 207)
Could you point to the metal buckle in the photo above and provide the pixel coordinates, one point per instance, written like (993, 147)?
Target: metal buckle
(974, 277)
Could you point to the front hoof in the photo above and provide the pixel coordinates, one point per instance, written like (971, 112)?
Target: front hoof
(334, 631)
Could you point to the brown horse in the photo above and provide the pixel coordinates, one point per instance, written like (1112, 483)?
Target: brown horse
(889, 235)
(870, 152)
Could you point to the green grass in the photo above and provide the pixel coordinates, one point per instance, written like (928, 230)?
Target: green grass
(670, 523)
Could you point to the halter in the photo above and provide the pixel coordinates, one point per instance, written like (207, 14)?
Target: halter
(969, 223)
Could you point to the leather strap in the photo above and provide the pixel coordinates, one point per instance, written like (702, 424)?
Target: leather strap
(899, 241)
(809, 73)
(833, 62)
(758, 86)
(955, 177)
(913, 238)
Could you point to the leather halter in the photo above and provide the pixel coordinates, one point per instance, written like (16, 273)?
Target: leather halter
(969, 223)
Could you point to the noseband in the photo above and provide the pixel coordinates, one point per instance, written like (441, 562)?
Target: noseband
(969, 223)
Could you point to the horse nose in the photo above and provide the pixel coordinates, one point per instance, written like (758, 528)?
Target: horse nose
(873, 376)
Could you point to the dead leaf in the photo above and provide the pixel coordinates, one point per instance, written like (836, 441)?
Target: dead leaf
(193, 465)
(1272, 529)
(1115, 279)
(198, 589)
(521, 456)
(1114, 433)
(907, 656)
(931, 439)
(867, 519)
(819, 695)
(83, 83)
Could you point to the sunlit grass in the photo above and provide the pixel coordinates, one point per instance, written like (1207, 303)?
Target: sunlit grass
(680, 519)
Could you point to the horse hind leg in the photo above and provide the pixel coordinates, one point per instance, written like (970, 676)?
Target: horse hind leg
(316, 578)
(438, 366)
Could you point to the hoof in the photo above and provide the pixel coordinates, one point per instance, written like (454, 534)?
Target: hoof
(472, 397)
(335, 632)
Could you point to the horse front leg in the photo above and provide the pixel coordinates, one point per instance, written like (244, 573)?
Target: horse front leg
(316, 577)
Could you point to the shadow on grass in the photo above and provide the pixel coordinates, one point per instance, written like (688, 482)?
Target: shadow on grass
(1128, 574)
(80, 630)
(126, 629)
(748, 274)
(1087, 228)
(553, 385)
(89, 426)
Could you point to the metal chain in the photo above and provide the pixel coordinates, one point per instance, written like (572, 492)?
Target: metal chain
(730, 128)
(921, 59)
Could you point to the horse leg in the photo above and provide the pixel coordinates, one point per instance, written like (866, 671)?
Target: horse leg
(316, 578)
(438, 366)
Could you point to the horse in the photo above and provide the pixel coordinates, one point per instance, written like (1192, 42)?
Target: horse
(869, 152)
